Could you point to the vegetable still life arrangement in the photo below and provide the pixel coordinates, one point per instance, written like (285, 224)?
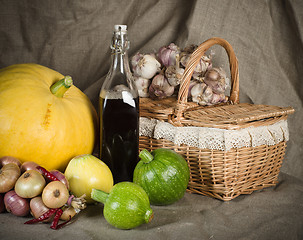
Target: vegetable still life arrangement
(49, 195)
(158, 75)
(47, 136)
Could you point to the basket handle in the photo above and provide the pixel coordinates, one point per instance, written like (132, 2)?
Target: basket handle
(191, 65)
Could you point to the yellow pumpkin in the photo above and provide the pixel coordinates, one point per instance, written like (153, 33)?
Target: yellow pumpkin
(43, 117)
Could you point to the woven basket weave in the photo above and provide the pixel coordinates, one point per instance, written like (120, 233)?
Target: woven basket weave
(220, 174)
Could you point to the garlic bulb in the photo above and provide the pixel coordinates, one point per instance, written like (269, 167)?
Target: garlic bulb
(142, 86)
(192, 83)
(135, 59)
(145, 66)
(174, 75)
(168, 54)
(203, 65)
(201, 94)
(218, 98)
(216, 79)
(160, 88)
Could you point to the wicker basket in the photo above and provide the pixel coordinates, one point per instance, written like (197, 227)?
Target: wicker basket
(222, 174)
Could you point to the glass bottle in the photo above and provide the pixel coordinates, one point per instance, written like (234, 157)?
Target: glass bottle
(119, 112)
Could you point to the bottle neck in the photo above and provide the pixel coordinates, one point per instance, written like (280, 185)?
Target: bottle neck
(119, 78)
(120, 62)
(119, 47)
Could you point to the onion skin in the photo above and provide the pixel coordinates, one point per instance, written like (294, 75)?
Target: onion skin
(61, 177)
(15, 204)
(9, 159)
(55, 194)
(2, 207)
(30, 184)
(38, 208)
(29, 165)
(9, 174)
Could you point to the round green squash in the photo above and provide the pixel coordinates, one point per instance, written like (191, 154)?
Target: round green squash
(126, 206)
(163, 174)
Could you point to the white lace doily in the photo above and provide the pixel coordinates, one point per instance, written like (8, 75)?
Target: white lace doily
(215, 138)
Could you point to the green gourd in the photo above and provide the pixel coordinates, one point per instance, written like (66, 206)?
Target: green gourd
(126, 206)
(163, 174)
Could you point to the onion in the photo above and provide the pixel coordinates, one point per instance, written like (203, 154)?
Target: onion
(29, 165)
(61, 177)
(30, 184)
(15, 204)
(2, 207)
(9, 174)
(68, 213)
(38, 208)
(55, 194)
(8, 159)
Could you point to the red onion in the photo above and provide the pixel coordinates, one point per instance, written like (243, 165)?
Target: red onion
(38, 208)
(61, 177)
(2, 207)
(28, 166)
(8, 159)
(16, 205)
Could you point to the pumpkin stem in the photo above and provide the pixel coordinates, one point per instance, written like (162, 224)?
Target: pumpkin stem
(146, 156)
(99, 195)
(60, 87)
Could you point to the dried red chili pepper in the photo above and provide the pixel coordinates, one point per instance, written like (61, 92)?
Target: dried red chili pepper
(49, 176)
(43, 217)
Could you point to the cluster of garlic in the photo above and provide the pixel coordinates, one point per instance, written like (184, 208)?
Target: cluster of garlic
(158, 75)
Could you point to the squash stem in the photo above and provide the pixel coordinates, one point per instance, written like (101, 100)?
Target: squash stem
(60, 87)
(99, 195)
(146, 156)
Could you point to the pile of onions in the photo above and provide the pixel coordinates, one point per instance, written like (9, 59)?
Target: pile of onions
(37, 191)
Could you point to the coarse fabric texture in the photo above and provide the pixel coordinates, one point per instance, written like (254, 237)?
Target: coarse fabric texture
(73, 37)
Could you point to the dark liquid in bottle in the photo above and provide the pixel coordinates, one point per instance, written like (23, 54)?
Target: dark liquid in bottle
(119, 123)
